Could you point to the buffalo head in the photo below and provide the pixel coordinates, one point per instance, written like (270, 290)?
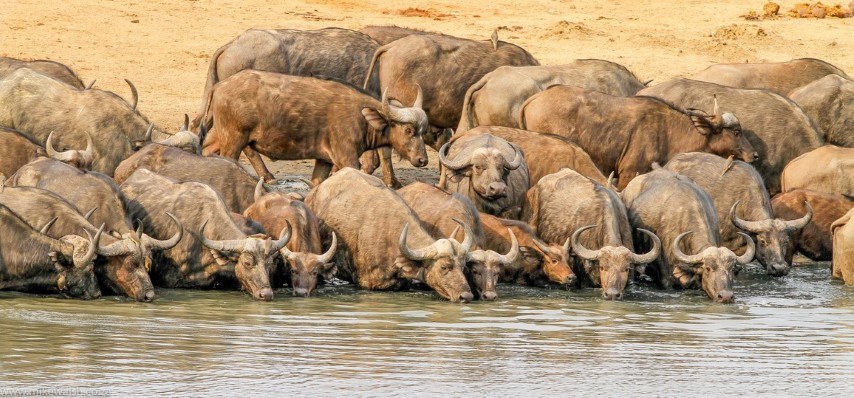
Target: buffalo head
(404, 128)
(723, 134)
(716, 266)
(75, 265)
(80, 159)
(486, 166)
(184, 139)
(554, 261)
(775, 249)
(613, 262)
(485, 266)
(440, 265)
(306, 268)
(251, 258)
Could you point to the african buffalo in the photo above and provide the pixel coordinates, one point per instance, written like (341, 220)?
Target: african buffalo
(738, 193)
(814, 240)
(774, 125)
(51, 69)
(539, 263)
(495, 100)
(625, 135)
(488, 170)
(843, 248)
(779, 77)
(305, 261)
(311, 119)
(16, 150)
(36, 105)
(212, 257)
(81, 159)
(33, 261)
(545, 153)
(123, 260)
(366, 216)
(673, 207)
(564, 205)
(227, 177)
(829, 102)
(828, 169)
(337, 53)
(441, 214)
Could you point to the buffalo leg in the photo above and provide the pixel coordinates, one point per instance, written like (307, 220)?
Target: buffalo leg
(321, 171)
(388, 171)
(258, 164)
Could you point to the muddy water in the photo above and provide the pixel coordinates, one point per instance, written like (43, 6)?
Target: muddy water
(789, 336)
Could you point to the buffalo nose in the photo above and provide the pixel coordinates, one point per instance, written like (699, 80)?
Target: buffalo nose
(489, 296)
(571, 280)
(496, 189)
(149, 296)
(300, 292)
(265, 294)
(725, 296)
(613, 294)
(95, 295)
(778, 269)
(420, 162)
(466, 297)
(755, 155)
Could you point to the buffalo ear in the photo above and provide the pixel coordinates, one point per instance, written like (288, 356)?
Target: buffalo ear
(375, 119)
(702, 121)
(329, 271)
(408, 269)
(137, 145)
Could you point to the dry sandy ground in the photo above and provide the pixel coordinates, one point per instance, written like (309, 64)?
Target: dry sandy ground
(164, 46)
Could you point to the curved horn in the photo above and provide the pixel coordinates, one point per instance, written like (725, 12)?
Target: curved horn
(419, 98)
(751, 226)
(186, 125)
(385, 107)
(751, 249)
(134, 94)
(794, 225)
(89, 152)
(220, 245)
(692, 259)
(63, 156)
(416, 255)
(390, 111)
(147, 136)
(717, 109)
(542, 245)
(579, 249)
(93, 244)
(513, 254)
(47, 226)
(89, 213)
(169, 243)
(89, 87)
(327, 257)
(652, 254)
(284, 237)
(468, 240)
(453, 165)
(517, 160)
(259, 189)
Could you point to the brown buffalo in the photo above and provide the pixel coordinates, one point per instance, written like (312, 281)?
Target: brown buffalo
(545, 153)
(843, 248)
(227, 177)
(739, 194)
(565, 204)
(16, 150)
(828, 169)
(214, 257)
(34, 262)
(775, 126)
(366, 216)
(673, 207)
(442, 213)
(487, 170)
(314, 119)
(539, 263)
(814, 240)
(495, 99)
(625, 135)
(829, 102)
(305, 261)
(779, 77)
(51, 69)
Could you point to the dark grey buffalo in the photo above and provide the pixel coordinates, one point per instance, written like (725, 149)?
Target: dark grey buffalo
(495, 99)
(565, 205)
(31, 261)
(779, 77)
(683, 216)
(48, 68)
(739, 194)
(829, 102)
(774, 125)
(214, 252)
(488, 170)
(382, 245)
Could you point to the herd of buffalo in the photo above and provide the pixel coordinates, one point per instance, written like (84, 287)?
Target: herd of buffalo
(572, 175)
